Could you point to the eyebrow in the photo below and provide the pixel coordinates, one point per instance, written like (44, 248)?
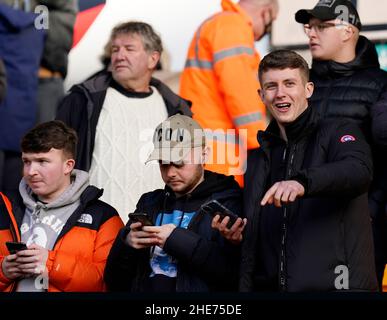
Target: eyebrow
(35, 158)
(285, 80)
(123, 45)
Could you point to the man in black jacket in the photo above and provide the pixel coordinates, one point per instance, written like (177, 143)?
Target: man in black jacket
(181, 253)
(349, 84)
(116, 113)
(305, 196)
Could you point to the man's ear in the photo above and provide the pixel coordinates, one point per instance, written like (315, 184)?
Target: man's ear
(69, 166)
(261, 94)
(205, 154)
(153, 59)
(348, 32)
(309, 88)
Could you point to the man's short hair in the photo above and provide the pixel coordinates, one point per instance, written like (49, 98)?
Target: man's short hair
(283, 59)
(51, 134)
(150, 39)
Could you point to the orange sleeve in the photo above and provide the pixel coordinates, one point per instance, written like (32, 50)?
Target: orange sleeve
(69, 272)
(236, 68)
(4, 281)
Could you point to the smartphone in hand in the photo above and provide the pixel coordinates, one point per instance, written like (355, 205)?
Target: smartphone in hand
(141, 217)
(214, 207)
(14, 247)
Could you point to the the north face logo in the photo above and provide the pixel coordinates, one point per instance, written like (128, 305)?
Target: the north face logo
(325, 3)
(86, 218)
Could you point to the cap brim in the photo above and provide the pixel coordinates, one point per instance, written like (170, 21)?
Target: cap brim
(303, 16)
(169, 155)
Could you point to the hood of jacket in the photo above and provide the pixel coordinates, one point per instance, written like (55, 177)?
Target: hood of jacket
(366, 57)
(80, 181)
(15, 19)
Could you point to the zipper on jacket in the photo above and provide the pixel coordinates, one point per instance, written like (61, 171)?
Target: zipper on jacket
(282, 266)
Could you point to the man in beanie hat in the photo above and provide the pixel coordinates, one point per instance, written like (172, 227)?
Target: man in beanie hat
(181, 252)
(349, 84)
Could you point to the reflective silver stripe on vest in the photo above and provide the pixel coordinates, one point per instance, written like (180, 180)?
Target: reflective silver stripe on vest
(218, 136)
(204, 64)
(248, 118)
(232, 52)
(196, 63)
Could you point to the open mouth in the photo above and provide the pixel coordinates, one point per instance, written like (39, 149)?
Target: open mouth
(282, 107)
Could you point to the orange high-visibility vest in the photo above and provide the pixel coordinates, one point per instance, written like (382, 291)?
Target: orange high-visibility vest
(220, 78)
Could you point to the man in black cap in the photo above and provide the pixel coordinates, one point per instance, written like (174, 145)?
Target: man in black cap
(350, 84)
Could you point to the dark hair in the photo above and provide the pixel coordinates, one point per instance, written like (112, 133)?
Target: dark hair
(150, 39)
(283, 59)
(51, 134)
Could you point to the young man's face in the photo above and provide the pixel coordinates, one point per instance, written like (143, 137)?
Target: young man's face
(47, 173)
(183, 178)
(130, 61)
(284, 93)
(325, 38)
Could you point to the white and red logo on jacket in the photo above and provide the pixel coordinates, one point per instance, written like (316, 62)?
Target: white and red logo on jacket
(347, 138)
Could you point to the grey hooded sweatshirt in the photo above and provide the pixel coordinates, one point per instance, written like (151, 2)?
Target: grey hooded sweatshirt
(43, 222)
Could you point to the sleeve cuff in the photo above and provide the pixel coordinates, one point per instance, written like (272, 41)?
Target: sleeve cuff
(3, 278)
(50, 260)
(303, 180)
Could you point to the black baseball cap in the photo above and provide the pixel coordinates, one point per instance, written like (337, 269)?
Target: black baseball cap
(329, 10)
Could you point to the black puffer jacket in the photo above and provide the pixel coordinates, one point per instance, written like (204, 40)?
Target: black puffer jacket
(206, 261)
(297, 247)
(81, 109)
(357, 91)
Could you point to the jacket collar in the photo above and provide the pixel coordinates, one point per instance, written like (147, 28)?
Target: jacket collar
(229, 6)
(174, 103)
(90, 194)
(366, 57)
(295, 131)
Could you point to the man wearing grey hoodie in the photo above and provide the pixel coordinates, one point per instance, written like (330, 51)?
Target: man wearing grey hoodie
(67, 230)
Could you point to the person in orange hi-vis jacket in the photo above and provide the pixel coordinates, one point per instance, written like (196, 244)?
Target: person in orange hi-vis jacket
(220, 78)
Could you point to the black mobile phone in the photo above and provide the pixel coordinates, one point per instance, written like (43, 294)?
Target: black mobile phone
(214, 207)
(14, 247)
(141, 217)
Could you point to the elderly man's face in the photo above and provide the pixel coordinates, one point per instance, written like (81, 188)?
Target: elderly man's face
(130, 61)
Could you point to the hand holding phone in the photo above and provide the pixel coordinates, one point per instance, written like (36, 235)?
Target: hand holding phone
(141, 217)
(14, 247)
(214, 208)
